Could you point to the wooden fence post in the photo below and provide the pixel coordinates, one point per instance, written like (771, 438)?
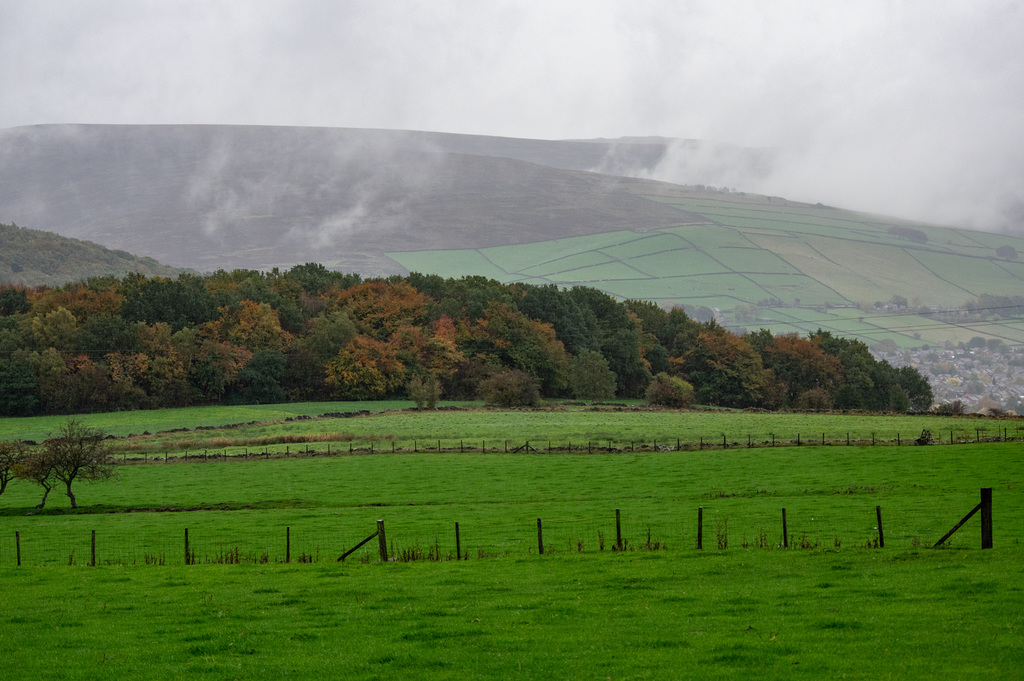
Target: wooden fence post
(540, 538)
(17, 545)
(700, 528)
(785, 531)
(382, 541)
(881, 535)
(986, 517)
(458, 543)
(188, 559)
(288, 544)
(93, 563)
(618, 530)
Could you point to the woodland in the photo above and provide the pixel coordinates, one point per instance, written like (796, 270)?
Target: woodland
(310, 333)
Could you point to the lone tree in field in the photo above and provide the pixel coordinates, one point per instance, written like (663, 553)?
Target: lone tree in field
(37, 467)
(77, 452)
(12, 456)
(590, 377)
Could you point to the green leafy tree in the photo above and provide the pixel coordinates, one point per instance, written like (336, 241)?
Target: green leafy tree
(13, 300)
(590, 378)
(258, 382)
(18, 386)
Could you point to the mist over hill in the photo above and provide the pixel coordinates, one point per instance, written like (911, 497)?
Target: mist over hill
(209, 197)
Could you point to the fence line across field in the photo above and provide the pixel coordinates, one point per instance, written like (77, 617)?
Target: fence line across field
(537, 446)
(718, 526)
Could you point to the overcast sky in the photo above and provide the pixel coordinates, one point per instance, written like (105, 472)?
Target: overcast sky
(912, 107)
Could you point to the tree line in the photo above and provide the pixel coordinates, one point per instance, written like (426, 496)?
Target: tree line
(309, 333)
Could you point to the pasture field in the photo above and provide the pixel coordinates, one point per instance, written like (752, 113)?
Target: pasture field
(831, 605)
(720, 615)
(392, 424)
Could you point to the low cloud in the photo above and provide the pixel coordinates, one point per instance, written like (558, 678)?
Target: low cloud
(910, 107)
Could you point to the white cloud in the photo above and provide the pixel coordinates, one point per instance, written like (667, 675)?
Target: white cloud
(906, 106)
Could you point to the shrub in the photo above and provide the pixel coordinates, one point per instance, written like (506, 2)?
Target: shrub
(511, 388)
(815, 399)
(669, 391)
(425, 392)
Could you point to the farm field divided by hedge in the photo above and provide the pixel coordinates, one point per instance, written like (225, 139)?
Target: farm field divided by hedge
(658, 608)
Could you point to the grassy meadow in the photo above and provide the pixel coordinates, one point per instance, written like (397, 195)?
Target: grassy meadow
(832, 604)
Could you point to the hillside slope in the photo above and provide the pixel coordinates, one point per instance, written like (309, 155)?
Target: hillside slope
(211, 197)
(381, 202)
(31, 257)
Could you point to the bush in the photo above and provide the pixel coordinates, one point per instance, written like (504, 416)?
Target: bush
(511, 388)
(669, 391)
(815, 399)
(425, 392)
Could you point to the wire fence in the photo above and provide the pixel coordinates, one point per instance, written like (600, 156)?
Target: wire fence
(967, 434)
(720, 524)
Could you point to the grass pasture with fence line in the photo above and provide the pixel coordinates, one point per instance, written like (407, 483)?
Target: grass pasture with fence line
(832, 604)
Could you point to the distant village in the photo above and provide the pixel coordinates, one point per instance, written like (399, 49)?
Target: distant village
(982, 375)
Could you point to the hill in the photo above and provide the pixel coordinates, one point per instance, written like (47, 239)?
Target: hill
(210, 197)
(33, 258)
(380, 202)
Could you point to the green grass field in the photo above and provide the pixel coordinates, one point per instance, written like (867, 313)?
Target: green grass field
(752, 249)
(832, 605)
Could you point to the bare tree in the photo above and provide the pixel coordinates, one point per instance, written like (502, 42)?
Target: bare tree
(37, 467)
(12, 456)
(78, 452)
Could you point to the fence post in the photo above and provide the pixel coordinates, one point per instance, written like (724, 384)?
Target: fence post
(93, 563)
(382, 541)
(188, 559)
(458, 543)
(700, 528)
(881, 535)
(288, 544)
(986, 517)
(785, 531)
(540, 538)
(17, 545)
(618, 530)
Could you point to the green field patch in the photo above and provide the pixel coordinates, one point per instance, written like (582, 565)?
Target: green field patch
(519, 257)
(798, 289)
(454, 263)
(574, 264)
(974, 278)
(696, 289)
(648, 244)
(684, 262)
(597, 275)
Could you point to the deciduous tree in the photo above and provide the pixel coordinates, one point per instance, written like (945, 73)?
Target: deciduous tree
(77, 452)
(12, 456)
(590, 378)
